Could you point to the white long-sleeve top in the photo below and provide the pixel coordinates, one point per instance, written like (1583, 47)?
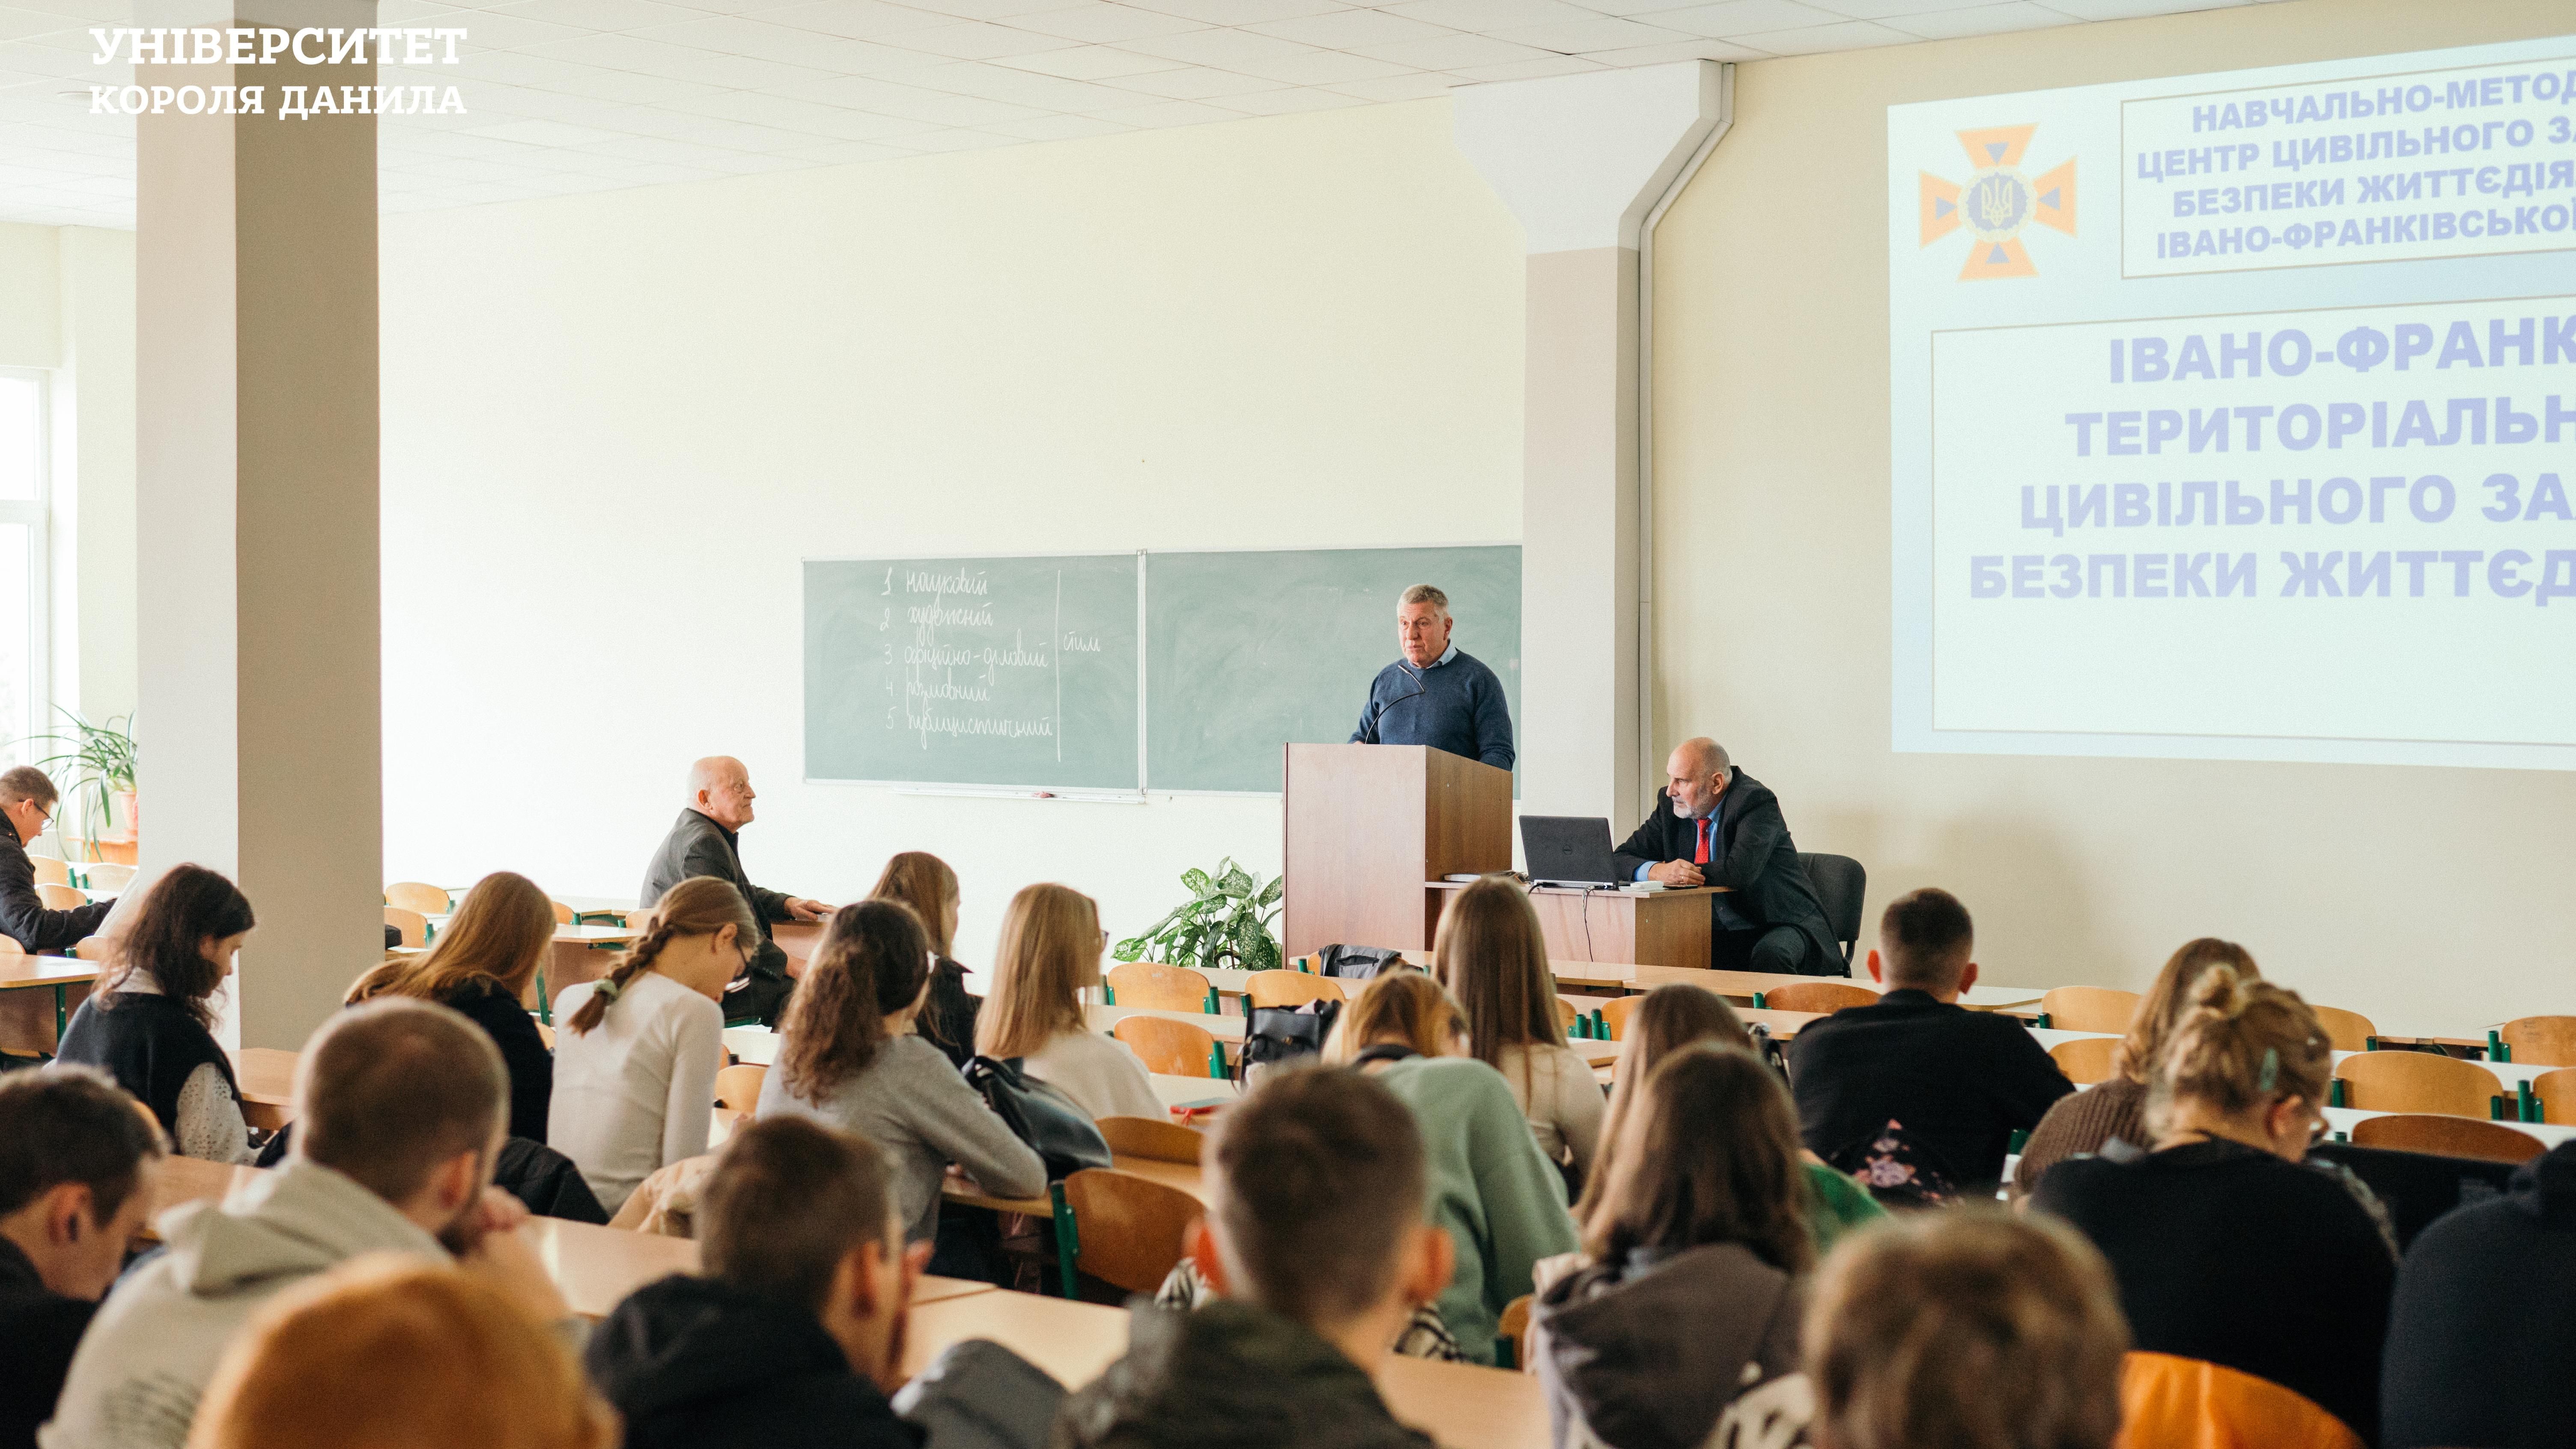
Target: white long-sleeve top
(1562, 1100)
(636, 1093)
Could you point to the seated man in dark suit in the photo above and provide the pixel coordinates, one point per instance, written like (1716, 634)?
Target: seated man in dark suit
(1957, 1082)
(1718, 826)
(705, 841)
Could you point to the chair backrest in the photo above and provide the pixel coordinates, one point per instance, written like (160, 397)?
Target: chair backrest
(2350, 1031)
(2548, 1041)
(51, 869)
(108, 877)
(1615, 1013)
(2086, 1059)
(419, 896)
(413, 925)
(2165, 1400)
(1130, 1228)
(2417, 1082)
(60, 897)
(1841, 885)
(2089, 1008)
(1817, 996)
(738, 1087)
(1566, 1015)
(1169, 1048)
(1515, 1325)
(88, 948)
(1152, 1138)
(1158, 988)
(546, 1034)
(2447, 1137)
(9, 946)
(2556, 1091)
(1289, 988)
(563, 914)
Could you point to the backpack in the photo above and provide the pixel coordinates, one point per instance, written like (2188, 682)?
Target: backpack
(1357, 963)
(1284, 1033)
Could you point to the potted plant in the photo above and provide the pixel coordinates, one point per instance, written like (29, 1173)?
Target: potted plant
(1224, 923)
(100, 758)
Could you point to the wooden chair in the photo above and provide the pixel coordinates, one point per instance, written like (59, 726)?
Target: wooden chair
(1170, 1048)
(1615, 1013)
(1161, 988)
(1566, 1012)
(2417, 1082)
(9, 946)
(563, 914)
(108, 878)
(2556, 1091)
(2086, 1059)
(738, 1087)
(2447, 1137)
(1124, 1230)
(2089, 1008)
(60, 897)
(1514, 1328)
(2548, 1041)
(2350, 1031)
(412, 895)
(51, 869)
(88, 948)
(413, 925)
(1825, 996)
(546, 1034)
(1152, 1138)
(1290, 988)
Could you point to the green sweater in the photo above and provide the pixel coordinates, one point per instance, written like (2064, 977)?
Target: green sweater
(1487, 1183)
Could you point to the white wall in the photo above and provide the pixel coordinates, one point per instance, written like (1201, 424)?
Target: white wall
(614, 424)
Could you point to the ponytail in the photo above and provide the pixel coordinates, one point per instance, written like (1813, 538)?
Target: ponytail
(2238, 1044)
(699, 906)
(872, 962)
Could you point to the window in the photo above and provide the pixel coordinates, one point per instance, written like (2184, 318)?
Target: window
(23, 495)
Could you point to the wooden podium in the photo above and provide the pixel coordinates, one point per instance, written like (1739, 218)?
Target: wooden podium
(1369, 824)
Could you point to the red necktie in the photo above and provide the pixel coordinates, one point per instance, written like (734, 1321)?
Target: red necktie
(1700, 856)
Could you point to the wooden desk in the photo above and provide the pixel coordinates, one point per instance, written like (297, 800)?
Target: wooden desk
(1665, 928)
(1227, 1029)
(1461, 1405)
(1193, 1091)
(22, 1023)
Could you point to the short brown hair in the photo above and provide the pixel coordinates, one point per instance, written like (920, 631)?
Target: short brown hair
(395, 1353)
(2237, 1045)
(2165, 1001)
(1492, 956)
(787, 1201)
(871, 963)
(71, 1124)
(1399, 1005)
(1708, 1154)
(1928, 939)
(26, 782)
(1313, 1179)
(1426, 594)
(389, 1089)
(1966, 1329)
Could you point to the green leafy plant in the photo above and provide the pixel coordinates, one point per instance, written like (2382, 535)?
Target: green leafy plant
(1224, 923)
(101, 760)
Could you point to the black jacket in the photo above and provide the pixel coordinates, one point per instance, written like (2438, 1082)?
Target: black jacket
(150, 1044)
(947, 1020)
(24, 917)
(532, 1067)
(1961, 1082)
(549, 1183)
(696, 1363)
(1753, 857)
(2230, 1255)
(39, 1328)
(1229, 1375)
(696, 846)
(2480, 1339)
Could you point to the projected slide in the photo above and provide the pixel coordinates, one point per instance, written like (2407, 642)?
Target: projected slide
(2234, 415)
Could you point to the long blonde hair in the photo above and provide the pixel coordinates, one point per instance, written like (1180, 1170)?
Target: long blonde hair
(699, 906)
(1490, 954)
(500, 934)
(2239, 1045)
(2164, 1003)
(1400, 1005)
(1048, 956)
(924, 882)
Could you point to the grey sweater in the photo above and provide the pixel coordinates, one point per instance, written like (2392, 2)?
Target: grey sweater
(913, 1104)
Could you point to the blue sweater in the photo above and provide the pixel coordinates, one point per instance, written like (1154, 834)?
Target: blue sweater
(1456, 704)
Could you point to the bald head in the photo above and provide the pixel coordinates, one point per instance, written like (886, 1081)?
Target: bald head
(720, 789)
(1696, 776)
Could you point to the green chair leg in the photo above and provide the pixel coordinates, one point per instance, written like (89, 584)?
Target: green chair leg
(1068, 1242)
(1216, 1060)
(1108, 994)
(1211, 1007)
(62, 1013)
(545, 1003)
(1757, 1002)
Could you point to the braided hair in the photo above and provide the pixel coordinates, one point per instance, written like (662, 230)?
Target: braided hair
(699, 906)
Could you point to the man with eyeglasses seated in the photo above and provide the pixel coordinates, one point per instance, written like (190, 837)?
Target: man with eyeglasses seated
(27, 800)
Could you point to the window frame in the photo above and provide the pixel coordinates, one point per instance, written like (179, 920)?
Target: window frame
(37, 514)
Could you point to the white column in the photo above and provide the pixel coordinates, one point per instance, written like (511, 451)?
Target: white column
(1581, 160)
(256, 513)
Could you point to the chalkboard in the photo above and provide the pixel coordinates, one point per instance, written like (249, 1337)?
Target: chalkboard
(978, 671)
(1246, 652)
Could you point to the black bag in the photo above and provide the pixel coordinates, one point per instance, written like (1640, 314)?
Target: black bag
(1284, 1033)
(1357, 963)
(1041, 1116)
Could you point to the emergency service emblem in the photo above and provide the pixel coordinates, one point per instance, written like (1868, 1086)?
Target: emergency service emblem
(1997, 202)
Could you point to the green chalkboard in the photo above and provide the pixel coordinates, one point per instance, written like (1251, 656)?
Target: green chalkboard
(972, 671)
(1246, 652)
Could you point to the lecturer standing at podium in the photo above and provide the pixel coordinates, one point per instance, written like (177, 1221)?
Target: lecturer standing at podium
(1436, 695)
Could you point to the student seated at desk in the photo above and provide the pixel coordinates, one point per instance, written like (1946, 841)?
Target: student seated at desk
(2481, 1335)
(27, 801)
(850, 1059)
(1965, 1328)
(1048, 956)
(78, 1171)
(1491, 955)
(148, 1023)
(1314, 1237)
(482, 965)
(1488, 1185)
(393, 1353)
(794, 1335)
(1678, 1322)
(1670, 1019)
(2115, 1110)
(924, 882)
(398, 1114)
(636, 1060)
(2228, 1248)
(1914, 1093)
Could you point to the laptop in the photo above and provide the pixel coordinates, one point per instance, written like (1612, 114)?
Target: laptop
(1569, 850)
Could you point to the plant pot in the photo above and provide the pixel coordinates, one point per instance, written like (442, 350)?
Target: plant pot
(129, 807)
